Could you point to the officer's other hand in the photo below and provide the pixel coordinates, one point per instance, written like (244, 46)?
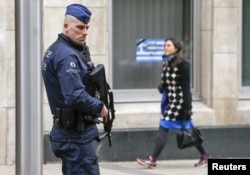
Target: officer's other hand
(104, 113)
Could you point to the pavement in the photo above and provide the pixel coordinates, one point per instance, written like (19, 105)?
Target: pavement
(166, 167)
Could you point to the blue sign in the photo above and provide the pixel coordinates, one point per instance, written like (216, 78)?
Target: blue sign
(149, 50)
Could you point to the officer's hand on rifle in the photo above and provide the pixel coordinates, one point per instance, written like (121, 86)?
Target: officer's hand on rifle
(104, 113)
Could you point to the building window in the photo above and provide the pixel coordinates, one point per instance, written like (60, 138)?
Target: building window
(138, 29)
(245, 44)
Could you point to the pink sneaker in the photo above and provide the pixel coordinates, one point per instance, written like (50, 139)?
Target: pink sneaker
(149, 163)
(203, 161)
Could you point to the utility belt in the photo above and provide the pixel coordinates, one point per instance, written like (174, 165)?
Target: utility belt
(73, 120)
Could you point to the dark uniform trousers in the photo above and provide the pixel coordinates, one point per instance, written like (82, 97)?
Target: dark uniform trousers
(76, 150)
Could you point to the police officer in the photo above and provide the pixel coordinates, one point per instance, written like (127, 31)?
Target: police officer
(65, 68)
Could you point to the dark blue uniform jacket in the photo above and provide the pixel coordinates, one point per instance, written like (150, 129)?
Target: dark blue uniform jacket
(66, 78)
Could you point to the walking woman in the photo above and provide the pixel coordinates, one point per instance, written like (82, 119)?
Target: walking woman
(176, 102)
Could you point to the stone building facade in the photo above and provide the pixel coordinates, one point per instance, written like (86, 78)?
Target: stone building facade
(221, 101)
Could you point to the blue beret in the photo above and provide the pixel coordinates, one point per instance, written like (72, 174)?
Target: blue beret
(79, 11)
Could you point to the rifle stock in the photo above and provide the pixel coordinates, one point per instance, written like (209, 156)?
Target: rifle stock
(106, 96)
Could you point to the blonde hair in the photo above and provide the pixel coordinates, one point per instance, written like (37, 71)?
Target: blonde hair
(69, 19)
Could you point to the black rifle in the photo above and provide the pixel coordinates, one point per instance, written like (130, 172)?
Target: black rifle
(104, 94)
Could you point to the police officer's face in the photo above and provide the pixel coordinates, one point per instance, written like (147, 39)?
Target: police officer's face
(77, 31)
(169, 48)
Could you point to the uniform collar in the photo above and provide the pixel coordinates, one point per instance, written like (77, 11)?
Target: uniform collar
(70, 42)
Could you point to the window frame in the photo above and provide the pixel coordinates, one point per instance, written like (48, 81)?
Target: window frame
(152, 95)
(244, 91)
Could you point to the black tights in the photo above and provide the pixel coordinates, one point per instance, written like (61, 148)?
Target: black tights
(161, 139)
